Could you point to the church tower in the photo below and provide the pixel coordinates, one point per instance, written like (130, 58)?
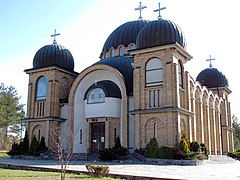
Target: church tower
(160, 83)
(50, 80)
(217, 82)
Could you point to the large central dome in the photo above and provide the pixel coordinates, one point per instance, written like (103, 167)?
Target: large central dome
(124, 35)
(160, 32)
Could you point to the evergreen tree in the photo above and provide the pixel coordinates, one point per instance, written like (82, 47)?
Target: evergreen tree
(11, 111)
(152, 149)
(118, 149)
(42, 145)
(33, 150)
(236, 133)
(25, 144)
(15, 150)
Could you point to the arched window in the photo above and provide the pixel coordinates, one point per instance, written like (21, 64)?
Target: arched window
(121, 51)
(96, 95)
(131, 47)
(41, 92)
(112, 52)
(105, 54)
(180, 74)
(154, 75)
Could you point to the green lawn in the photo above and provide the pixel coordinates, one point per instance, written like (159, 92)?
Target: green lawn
(3, 154)
(9, 174)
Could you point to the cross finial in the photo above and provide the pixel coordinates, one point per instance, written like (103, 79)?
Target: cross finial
(54, 36)
(140, 8)
(210, 59)
(159, 11)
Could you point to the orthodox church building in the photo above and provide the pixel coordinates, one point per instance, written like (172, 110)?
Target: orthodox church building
(139, 89)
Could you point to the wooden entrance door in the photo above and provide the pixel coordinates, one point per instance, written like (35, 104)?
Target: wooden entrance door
(97, 136)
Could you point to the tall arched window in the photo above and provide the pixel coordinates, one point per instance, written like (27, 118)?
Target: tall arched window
(96, 95)
(180, 74)
(112, 52)
(154, 75)
(121, 51)
(41, 92)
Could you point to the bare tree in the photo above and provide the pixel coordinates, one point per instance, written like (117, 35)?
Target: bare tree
(64, 155)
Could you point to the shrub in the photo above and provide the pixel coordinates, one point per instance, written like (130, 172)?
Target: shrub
(117, 152)
(182, 149)
(118, 149)
(184, 145)
(152, 149)
(25, 144)
(191, 155)
(33, 150)
(107, 154)
(15, 150)
(203, 149)
(235, 154)
(167, 152)
(97, 170)
(194, 146)
(42, 146)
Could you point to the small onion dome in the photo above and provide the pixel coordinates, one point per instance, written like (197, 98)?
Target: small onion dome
(211, 78)
(124, 65)
(53, 55)
(160, 32)
(124, 34)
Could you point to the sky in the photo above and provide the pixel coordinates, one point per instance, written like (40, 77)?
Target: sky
(210, 28)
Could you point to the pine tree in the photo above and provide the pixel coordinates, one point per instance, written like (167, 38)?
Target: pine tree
(42, 145)
(11, 111)
(152, 149)
(33, 150)
(25, 144)
(236, 133)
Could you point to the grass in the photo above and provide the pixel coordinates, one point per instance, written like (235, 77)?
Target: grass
(3, 154)
(9, 174)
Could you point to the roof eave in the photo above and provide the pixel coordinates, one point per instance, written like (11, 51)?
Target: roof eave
(176, 45)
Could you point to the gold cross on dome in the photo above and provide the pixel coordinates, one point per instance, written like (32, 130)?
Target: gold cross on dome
(159, 11)
(210, 60)
(140, 8)
(54, 36)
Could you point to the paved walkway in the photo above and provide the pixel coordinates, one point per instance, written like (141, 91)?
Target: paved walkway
(216, 168)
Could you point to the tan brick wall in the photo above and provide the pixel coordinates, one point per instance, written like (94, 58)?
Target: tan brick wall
(59, 83)
(48, 129)
(58, 86)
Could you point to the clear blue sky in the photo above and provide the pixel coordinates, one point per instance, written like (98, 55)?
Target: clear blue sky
(210, 26)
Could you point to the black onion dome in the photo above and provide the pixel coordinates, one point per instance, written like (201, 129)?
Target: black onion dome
(124, 65)
(211, 78)
(160, 32)
(124, 34)
(53, 55)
